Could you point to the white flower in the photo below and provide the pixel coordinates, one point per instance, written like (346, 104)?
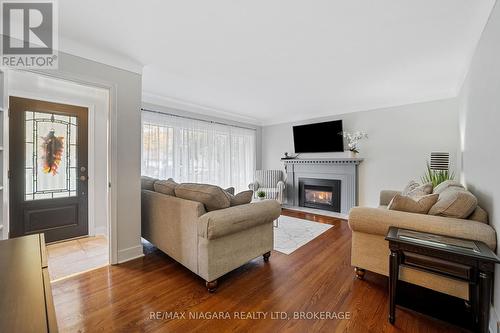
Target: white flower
(353, 139)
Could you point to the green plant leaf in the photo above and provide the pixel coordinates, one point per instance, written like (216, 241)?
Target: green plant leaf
(436, 177)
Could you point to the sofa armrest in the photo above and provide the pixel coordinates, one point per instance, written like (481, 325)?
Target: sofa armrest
(378, 220)
(228, 221)
(386, 197)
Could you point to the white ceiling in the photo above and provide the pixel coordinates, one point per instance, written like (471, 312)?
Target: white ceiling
(279, 60)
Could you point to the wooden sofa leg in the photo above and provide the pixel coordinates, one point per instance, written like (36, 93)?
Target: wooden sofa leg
(212, 286)
(266, 256)
(360, 273)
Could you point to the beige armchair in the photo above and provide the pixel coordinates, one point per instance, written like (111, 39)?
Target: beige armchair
(271, 182)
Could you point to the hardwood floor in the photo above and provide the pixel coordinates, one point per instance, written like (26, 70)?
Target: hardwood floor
(317, 277)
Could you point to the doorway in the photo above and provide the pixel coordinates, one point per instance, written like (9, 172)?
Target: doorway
(93, 248)
(48, 169)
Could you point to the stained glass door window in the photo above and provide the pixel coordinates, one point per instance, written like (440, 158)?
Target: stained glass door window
(51, 155)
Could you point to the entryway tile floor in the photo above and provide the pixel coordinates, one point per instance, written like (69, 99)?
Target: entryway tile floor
(77, 256)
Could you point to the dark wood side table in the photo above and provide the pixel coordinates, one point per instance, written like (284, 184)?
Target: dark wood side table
(465, 260)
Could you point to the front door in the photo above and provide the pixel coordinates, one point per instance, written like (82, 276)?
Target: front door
(48, 169)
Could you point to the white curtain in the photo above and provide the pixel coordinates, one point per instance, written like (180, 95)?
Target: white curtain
(197, 151)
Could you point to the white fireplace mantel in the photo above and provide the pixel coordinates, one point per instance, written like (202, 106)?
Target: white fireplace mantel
(343, 169)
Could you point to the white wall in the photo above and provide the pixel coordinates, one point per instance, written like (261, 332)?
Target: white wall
(399, 144)
(479, 124)
(30, 85)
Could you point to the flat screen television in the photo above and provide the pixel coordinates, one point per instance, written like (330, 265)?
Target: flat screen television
(319, 137)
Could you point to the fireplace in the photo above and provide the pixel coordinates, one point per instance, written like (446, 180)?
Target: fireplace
(320, 193)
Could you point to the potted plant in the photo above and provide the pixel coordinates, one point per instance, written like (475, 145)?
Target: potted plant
(261, 195)
(353, 139)
(436, 177)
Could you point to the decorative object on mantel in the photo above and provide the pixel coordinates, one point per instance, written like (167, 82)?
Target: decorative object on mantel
(353, 139)
(438, 169)
(289, 157)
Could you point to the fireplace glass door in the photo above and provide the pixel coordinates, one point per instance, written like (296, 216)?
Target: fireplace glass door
(320, 193)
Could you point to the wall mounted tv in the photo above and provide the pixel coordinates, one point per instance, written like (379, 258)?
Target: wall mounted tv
(319, 137)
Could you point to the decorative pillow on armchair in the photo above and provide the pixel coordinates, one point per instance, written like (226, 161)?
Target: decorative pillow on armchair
(413, 204)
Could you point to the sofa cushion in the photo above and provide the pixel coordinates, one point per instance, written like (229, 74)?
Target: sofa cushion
(166, 186)
(241, 198)
(147, 183)
(454, 201)
(479, 215)
(413, 204)
(415, 189)
(213, 197)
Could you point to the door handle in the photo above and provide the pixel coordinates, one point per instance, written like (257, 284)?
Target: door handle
(83, 178)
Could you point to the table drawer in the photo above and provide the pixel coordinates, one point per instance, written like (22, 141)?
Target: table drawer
(437, 265)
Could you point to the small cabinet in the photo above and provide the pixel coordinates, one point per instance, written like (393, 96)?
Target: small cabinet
(26, 304)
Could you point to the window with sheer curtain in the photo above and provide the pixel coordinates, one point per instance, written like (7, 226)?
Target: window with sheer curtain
(196, 151)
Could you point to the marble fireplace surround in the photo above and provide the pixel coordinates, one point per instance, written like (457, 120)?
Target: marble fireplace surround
(343, 169)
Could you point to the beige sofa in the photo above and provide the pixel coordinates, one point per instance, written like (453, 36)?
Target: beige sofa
(370, 250)
(212, 243)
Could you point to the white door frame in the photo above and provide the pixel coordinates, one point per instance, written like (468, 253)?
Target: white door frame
(112, 152)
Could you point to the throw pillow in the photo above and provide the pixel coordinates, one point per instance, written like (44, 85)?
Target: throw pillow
(479, 215)
(415, 189)
(410, 187)
(147, 183)
(213, 197)
(448, 184)
(230, 190)
(241, 198)
(455, 202)
(419, 205)
(166, 186)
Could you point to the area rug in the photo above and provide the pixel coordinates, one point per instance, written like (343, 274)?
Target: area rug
(293, 233)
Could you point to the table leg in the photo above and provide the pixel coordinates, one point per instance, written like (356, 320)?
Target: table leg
(473, 302)
(393, 281)
(484, 301)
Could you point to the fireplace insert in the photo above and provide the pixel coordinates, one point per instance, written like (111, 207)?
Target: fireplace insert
(320, 193)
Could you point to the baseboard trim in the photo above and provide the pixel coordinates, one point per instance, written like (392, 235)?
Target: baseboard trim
(130, 253)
